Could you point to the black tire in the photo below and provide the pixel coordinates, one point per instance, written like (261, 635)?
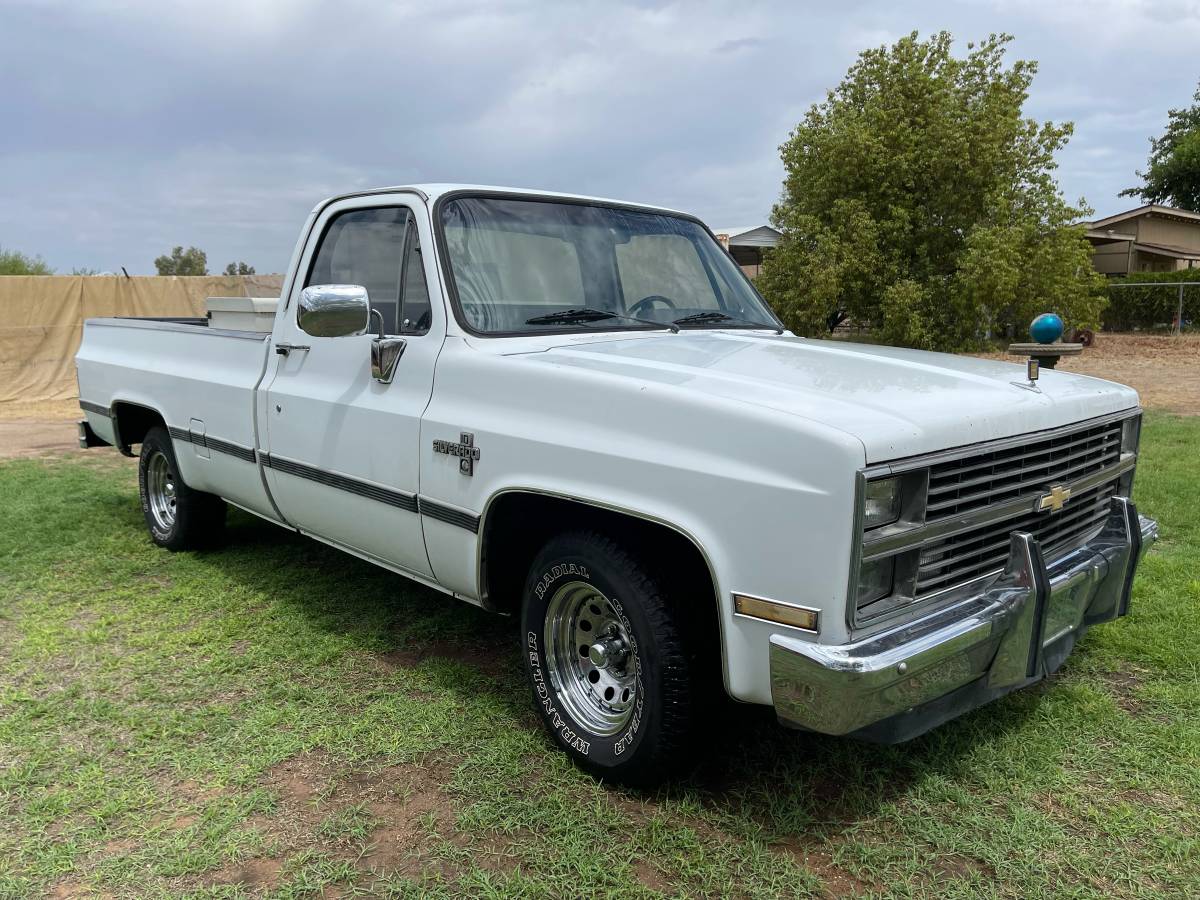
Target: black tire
(177, 517)
(633, 604)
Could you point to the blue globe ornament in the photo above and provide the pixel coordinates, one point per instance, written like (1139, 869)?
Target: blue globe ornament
(1046, 328)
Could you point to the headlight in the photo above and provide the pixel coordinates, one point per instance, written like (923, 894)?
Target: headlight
(881, 505)
(875, 580)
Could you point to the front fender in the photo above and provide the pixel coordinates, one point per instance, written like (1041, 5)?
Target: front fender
(765, 496)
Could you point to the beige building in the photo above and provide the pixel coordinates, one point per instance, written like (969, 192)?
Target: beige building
(1151, 238)
(747, 243)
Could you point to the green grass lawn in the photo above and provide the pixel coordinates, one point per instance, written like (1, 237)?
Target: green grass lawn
(279, 718)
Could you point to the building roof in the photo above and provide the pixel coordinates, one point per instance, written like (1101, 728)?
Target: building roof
(1149, 208)
(750, 235)
(1169, 250)
(1105, 235)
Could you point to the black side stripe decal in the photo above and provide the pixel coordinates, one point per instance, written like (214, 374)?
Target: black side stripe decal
(450, 515)
(244, 453)
(200, 440)
(398, 499)
(88, 406)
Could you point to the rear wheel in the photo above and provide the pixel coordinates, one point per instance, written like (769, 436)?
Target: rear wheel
(177, 517)
(606, 660)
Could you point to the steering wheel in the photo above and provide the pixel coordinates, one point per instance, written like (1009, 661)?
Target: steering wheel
(649, 302)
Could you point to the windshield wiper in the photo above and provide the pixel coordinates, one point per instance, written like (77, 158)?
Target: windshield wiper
(714, 316)
(587, 314)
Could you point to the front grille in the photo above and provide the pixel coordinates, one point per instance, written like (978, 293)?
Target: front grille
(984, 550)
(986, 479)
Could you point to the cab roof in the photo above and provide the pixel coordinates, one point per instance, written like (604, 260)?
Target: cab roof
(433, 190)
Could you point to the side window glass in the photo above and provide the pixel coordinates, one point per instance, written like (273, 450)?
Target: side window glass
(415, 312)
(365, 247)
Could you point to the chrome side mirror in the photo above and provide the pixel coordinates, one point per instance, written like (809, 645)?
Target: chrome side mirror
(333, 310)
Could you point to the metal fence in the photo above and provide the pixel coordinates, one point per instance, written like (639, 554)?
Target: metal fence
(1177, 323)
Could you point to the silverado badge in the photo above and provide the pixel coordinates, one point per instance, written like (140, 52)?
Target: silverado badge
(1054, 499)
(465, 450)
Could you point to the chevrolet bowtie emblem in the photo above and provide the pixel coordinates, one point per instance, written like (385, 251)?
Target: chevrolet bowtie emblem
(1054, 499)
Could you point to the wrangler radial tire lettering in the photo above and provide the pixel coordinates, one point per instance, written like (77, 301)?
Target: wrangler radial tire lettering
(605, 659)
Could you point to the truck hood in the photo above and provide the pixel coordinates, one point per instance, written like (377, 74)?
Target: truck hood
(897, 402)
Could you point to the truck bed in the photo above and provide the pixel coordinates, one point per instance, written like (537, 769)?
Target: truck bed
(202, 381)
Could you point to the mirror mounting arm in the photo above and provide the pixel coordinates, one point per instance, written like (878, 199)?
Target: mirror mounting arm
(376, 316)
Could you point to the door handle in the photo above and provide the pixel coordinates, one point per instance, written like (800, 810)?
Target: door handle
(283, 349)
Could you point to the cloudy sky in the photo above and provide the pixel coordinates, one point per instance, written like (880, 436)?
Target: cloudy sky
(131, 127)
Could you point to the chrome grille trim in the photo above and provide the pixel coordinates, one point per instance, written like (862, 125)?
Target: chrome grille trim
(904, 537)
(950, 546)
(976, 554)
(1004, 474)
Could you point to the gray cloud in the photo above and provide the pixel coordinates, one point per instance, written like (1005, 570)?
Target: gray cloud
(133, 127)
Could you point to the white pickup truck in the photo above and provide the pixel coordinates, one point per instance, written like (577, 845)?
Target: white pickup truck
(580, 412)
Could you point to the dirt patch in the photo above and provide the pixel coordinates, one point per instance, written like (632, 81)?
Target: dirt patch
(835, 881)
(494, 663)
(406, 802)
(402, 805)
(70, 888)
(299, 779)
(258, 874)
(32, 437)
(324, 804)
(1161, 801)
(189, 791)
(1163, 369)
(648, 876)
(1124, 685)
(119, 846)
(41, 410)
(955, 865)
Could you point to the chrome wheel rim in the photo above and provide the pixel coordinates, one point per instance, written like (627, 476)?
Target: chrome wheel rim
(590, 658)
(160, 490)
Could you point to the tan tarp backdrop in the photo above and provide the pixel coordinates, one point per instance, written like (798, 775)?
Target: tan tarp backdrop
(41, 319)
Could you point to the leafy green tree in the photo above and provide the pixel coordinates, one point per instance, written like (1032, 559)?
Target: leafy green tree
(84, 270)
(917, 198)
(1172, 174)
(191, 261)
(13, 262)
(239, 268)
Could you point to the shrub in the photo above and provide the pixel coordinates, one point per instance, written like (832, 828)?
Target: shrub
(920, 200)
(12, 262)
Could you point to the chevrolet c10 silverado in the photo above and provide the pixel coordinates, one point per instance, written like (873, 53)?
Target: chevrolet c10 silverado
(580, 412)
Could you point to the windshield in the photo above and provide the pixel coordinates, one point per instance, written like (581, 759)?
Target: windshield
(560, 264)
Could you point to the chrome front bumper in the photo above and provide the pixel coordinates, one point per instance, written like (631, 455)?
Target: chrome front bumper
(898, 684)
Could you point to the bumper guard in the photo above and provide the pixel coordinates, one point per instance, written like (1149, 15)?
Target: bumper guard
(893, 686)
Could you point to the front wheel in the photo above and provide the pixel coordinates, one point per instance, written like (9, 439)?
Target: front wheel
(177, 517)
(605, 659)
